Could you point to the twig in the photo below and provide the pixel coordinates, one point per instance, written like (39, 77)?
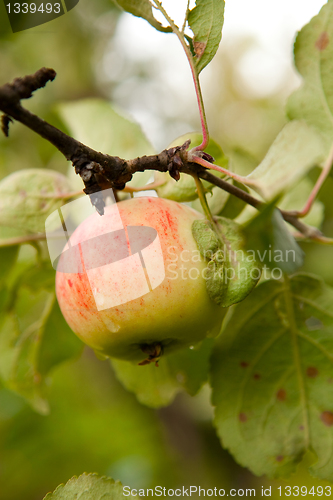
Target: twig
(186, 15)
(320, 181)
(62, 196)
(20, 240)
(318, 239)
(207, 164)
(147, 187)
(308, 231)
(100, 171)
(202, 113)
(87, 162)
(231, 189)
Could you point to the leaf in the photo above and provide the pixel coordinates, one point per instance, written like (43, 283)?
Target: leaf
(185, 189)
(28, 197)
(294, 152)
(142, 8)
(158, 386)
(34, 337)
(268, 239)
(206, 22)
(272, 378)
(206, 238)
(88, 487)
(19, 349)
(313, 50)
(95, 123)
(231, 273)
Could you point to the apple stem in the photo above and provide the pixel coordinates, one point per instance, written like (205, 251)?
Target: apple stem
(320, 181)
(203, 200)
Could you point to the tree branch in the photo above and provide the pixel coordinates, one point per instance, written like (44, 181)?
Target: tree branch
(101, 171)
(20, 240)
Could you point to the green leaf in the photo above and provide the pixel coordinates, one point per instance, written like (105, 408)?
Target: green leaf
(313, 101)
(272, 378)
(231, 273)
(206, 238)
(95, 123)
(88, 487)
(206, 22)
(269, 240)
(294, 152)
(185, 189)
(157, 386)
(34, 337)
(28, 197)
(142, 8)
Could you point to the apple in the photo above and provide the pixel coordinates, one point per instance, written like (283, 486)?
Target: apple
(138, 289)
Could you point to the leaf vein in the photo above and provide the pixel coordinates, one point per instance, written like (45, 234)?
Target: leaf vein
(316, 344)
(313, 304)
(253, 365)
(297, 358)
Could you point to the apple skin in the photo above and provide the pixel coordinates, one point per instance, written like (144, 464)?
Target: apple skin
(176, 314)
